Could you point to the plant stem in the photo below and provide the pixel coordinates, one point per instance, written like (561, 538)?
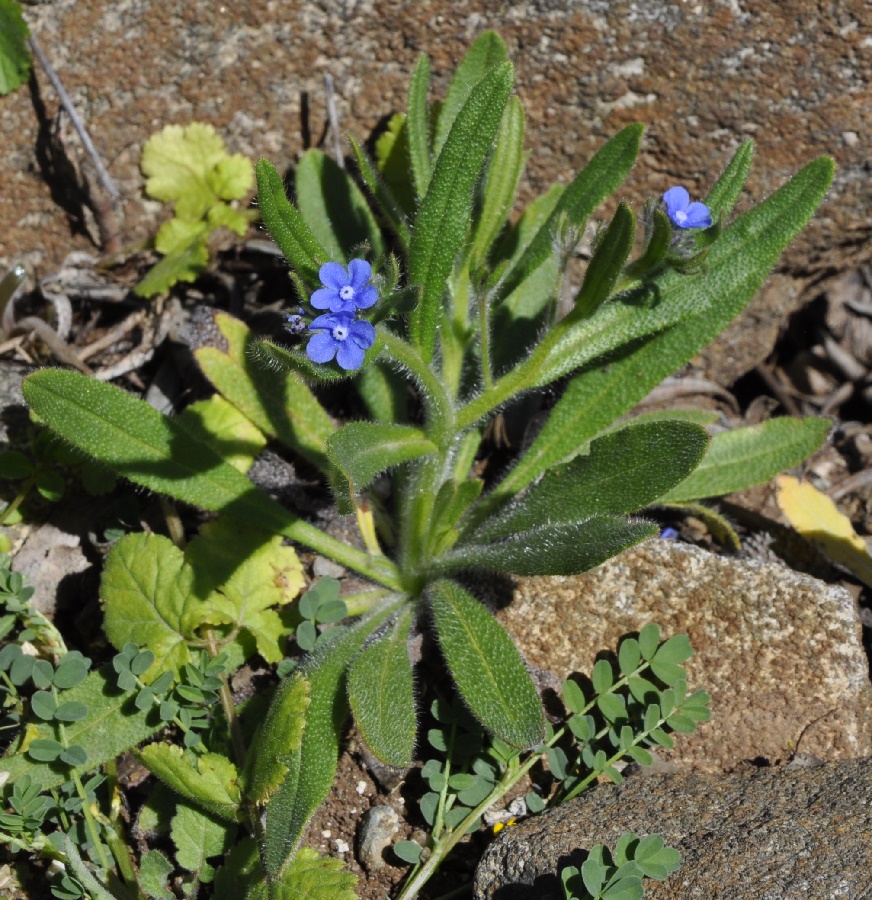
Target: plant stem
(229, 709)
(20, 497)
(484, 331)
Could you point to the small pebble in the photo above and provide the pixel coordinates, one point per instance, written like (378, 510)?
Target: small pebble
(375, 834)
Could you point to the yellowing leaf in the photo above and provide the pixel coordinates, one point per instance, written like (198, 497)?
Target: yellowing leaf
(217, 422)
(817, 519)
(147, 596)
(191, 168)
(209, 780)
(247, 584)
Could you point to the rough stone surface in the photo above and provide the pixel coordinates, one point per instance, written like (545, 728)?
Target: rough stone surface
(777, 834)
(779, 652)
(702, 76)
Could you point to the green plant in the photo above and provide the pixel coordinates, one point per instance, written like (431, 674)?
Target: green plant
(15, 59)
(618, 874)
(455, 319)
(190, 168)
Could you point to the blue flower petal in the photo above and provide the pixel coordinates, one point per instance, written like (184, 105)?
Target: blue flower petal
(359, 272)
(324, 298)
(333, 275)
(362, 333)
(698, 216)
(327, 321)
(676, 200)
(349, 355)
(366, 297)
(321, 347)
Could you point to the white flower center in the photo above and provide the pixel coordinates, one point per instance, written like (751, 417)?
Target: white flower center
(340, 333)
(346, 293)
(680, 216)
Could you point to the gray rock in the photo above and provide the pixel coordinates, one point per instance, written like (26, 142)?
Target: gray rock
(702, 76)
(779, 652)
(376, 831)
(776, 834)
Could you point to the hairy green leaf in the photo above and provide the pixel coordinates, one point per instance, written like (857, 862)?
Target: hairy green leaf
(727, 189)
(742, 457)
(600, 394)
(562, 549)
(152, 450)
(382, 696)
(281, 406)
(599, 179)
(312, 768)
(501, 183)
(486, 666)
(487, 51)
(334, 208)
(418, 125)
(388, 205)
(607, 263)
(280, 735)
(286, 226)
(443, 218)
(624, 471)
(363, 450)
(215, 421)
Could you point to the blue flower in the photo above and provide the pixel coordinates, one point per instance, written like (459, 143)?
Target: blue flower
(340, 335)
(345, 291)
(684, 214)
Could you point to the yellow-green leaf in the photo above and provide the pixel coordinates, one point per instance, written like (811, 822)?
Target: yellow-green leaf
(209, 780)
(217, 422)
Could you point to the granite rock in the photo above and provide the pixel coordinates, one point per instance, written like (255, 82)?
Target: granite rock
(774, 834)
(779, 652)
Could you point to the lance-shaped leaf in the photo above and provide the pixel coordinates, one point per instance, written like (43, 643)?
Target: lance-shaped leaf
(280, 735)
(737, 265)
(486, 666)
(624, 471)
(601, 394)
(386, 202)
(501, 183)
(657, 248)
(329, 199)
(382, 695)
(599, 179)
(286, 226)
(561, 549)
(152, 450)
(312, 768)
(443, 218)
(487, 51)
(418, 125)
(363, 450)
(279, 404)
(743, 457)
(217, 422)
(14, 55)
(727, 189)
(209, 780)
(607, 263)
